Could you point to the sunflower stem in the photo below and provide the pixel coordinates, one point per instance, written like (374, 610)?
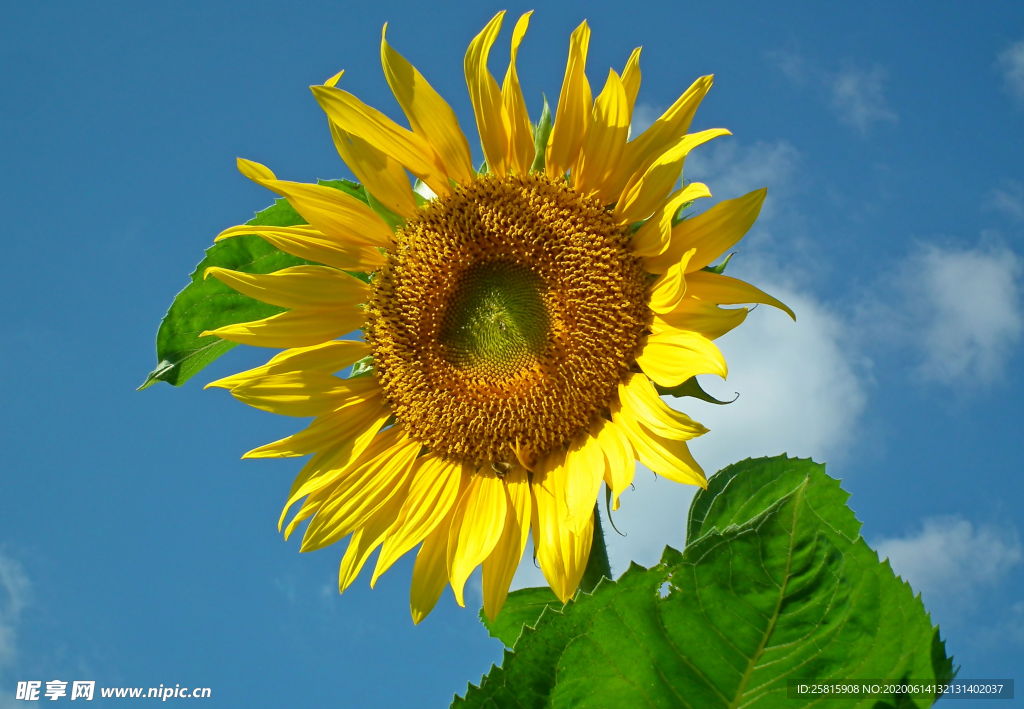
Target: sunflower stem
(597, 565)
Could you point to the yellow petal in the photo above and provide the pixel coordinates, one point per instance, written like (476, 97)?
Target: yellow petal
(711, 232)
(521, 148)
(301, 230)
(673, 356)
(699, 316)
(664, 456)
(334, 79)
(477, 526)
(668, 290)
(631, 79)
(640, 401)
(410, 150)
(331, 464)
(500, 567)
(584, 471)
(562, 553)
(365, 539)
(724, 290)
(327, 357)
(329, 210)
(349, 422)
(382, 176)
(430, 573)
(604, 142)
(572, 118)
(429, 115)
(310, 244)
(295, 328)
(361, 493)
(297, 286)
(667, 130)
(651, 184)
(619, 457)
(433, 491)
(492, 121)
(655, 235)
(304, 393)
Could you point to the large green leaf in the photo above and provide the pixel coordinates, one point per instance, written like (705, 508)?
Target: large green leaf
(209, 304)
(522, 607)
(775, 584)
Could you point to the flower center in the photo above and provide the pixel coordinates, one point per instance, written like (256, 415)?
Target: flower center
(497, 321)
(505, 317)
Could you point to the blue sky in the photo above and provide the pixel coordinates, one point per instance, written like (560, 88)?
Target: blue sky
(137, 549)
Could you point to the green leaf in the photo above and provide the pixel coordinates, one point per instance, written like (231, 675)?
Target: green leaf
(774, 584)
(691, 387)
(209, 304)
(742, 491)
(353, 189)
(541, 133)
(522, 607)
(390, 218)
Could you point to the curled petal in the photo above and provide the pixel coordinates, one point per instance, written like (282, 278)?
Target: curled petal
(429, 115)
(673, 356)
(712, 232)
(572, 116)
(492, 120)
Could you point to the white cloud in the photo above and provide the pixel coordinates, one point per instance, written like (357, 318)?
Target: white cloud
(1008, 199)
(958, 309)
(799, 394)
(949, 560)
(15, 591)
(1011, 63)
(858, 97)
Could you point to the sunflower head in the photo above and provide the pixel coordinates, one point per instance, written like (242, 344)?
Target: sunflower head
(496, 303)
(522, 321)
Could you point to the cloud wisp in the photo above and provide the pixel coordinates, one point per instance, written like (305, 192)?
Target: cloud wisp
(856, 93)
(858, 97)
(1011, 64)
(950, 561)
(958, 310)
(1008, 200)
(15, 592)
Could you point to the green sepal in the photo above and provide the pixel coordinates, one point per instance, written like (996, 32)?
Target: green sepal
(691, 387)
(541, 133)
(362, 368)
(775, 584)
(720, 268)
(681, 216)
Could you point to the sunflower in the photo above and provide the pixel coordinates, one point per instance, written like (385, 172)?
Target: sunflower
(520, 322)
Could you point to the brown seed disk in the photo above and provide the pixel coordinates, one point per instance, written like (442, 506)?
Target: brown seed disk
(506, 314)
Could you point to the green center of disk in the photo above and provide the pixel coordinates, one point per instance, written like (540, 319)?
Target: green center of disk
(497, 320)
